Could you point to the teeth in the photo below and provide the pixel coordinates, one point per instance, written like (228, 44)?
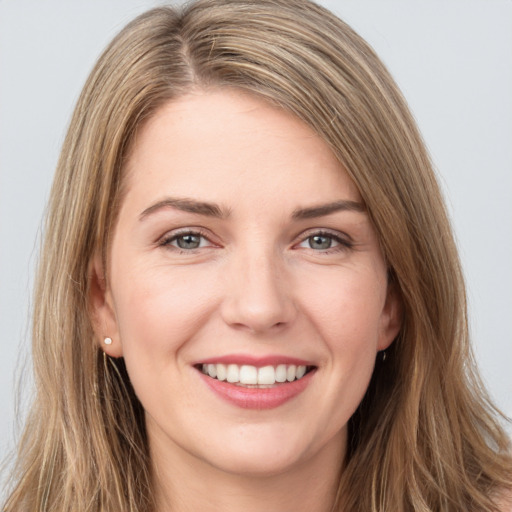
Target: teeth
(301, 371)
(212, 370)
(220, 371)
(290, 373)
(251, 375)
(266, 375)
(281, 373)
(233, 373)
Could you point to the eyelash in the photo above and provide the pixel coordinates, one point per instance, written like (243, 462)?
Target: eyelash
(167, 240)
(343, 244)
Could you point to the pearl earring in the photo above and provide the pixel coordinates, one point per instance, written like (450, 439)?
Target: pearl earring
(108, 341)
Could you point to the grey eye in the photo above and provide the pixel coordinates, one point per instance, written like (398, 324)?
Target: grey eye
(189, 241)
(320, 242)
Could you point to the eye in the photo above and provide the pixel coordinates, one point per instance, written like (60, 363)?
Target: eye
(320, 242)
(325, 242)
(186, 241)
(189, 241)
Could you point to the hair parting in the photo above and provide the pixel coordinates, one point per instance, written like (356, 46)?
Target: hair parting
(425, 437)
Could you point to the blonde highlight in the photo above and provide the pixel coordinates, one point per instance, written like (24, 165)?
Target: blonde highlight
(426, 437)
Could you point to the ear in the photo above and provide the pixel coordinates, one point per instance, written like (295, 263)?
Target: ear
(102, 311)
(391, 317)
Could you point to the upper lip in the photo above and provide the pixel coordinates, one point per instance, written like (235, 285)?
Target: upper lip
(258, 361)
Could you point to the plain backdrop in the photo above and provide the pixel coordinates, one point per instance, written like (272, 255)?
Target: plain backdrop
(452, 60)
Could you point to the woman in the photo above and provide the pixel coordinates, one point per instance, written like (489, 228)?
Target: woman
(249, 296)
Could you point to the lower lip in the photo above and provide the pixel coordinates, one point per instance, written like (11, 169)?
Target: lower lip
(258, 398)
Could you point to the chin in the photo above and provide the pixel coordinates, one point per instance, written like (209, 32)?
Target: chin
(261, 453)
(260, 464)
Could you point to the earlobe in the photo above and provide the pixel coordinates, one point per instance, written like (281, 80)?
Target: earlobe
(391, 319)
(101, 310)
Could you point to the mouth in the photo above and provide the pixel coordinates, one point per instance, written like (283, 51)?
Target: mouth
(250, 376)
(250, 382)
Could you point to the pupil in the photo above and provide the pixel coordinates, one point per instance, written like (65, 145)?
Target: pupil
(188, 242)
(320, 242)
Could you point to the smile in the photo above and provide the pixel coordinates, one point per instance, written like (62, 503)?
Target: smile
(249, 383)
(249, 375)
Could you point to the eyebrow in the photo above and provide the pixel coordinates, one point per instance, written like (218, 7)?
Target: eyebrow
(327, 209)
(186, 205)
(214, 210)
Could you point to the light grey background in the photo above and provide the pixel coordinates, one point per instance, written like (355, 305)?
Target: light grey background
(452, 60)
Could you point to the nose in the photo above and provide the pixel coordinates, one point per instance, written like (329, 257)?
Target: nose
(258, 295)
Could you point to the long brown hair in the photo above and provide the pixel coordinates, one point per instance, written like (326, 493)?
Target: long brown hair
(425, 436)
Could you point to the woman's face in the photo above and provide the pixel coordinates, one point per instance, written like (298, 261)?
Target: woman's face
(242, 257)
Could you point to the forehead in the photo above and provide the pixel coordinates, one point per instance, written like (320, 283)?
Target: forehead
(227, 145)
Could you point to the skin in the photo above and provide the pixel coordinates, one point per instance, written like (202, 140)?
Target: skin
(257, 285)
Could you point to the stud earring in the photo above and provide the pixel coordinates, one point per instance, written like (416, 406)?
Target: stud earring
(108, 341)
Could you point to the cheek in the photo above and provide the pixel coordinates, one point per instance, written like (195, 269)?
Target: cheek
(158, 310)
(345, 312)
(158, 314)
(347, 308)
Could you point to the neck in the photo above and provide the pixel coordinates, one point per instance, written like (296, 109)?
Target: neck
(185, 484)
